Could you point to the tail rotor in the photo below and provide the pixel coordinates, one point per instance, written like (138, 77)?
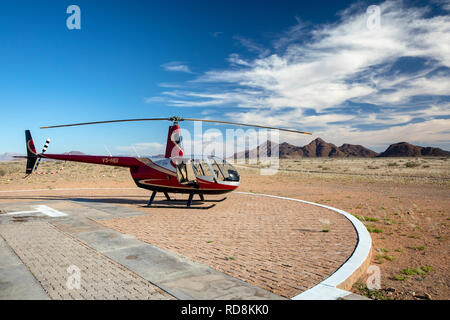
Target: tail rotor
(47, 142)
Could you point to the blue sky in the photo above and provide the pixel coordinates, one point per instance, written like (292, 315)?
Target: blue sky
(315, 66)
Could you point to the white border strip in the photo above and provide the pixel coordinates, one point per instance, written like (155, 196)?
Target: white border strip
(327, 289)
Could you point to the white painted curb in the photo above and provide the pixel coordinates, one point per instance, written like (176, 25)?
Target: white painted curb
(327, 289)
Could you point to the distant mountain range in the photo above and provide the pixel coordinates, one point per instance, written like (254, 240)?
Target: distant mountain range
(9, 156)
(321, 148)
(317, 148)
(74, 153)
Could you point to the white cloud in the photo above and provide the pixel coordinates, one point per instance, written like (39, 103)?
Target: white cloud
(142, 148)
(176, 66)
(318, 73)
(426, 133)
(155, 99)
(252, 46)
(288, 119)
(234, 58)
(435, 110)
(409, 88)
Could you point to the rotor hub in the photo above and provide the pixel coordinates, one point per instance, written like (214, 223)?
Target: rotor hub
(176, 119)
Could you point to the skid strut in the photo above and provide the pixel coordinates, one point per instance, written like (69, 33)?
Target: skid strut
(149, 203)
(189, 202)
(191, 195)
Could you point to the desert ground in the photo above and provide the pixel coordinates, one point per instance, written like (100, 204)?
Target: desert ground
(404, 203)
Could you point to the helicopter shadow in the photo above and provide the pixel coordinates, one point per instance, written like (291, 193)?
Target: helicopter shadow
(161, 204)
(124, 200)
(169, 203)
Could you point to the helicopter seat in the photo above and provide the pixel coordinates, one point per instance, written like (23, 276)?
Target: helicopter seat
(185, 174)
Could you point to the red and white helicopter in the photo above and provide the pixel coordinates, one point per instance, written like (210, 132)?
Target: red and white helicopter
(175, 173)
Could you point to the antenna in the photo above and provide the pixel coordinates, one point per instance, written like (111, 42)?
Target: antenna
(136, 151)
(108, 150)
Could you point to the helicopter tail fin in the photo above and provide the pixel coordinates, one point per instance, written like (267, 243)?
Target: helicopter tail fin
(174, 146)
(32, 155)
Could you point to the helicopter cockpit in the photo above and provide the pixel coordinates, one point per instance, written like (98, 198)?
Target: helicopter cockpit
(210, 168)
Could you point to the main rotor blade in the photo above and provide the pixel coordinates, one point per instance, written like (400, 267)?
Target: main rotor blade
(99, 122)
(175, 119)
(248, 125)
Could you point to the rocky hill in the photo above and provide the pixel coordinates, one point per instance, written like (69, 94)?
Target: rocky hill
(321, 148)
(405, 149)
(356, 150)
(316, 148)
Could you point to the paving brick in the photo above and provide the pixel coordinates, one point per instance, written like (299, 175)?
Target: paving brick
(48, 252)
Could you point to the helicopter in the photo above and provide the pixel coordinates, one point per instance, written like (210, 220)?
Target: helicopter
(175, 173)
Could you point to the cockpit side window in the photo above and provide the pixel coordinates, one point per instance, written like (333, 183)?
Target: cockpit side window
(206, 169)
(202, 168)
(217, 170)
(224, 171)
(197, 168)
(213, 168)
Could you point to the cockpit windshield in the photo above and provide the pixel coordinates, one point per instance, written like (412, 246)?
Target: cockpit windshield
(201, 168)
(209, 168)
(224, 171)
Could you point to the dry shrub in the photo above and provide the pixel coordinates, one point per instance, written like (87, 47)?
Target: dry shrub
(412, 164)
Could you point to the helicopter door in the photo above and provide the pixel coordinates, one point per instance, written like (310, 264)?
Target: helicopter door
(185, 172)
(202, 170)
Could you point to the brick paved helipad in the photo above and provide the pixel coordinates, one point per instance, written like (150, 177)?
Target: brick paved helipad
(282, 246)
(246, 247)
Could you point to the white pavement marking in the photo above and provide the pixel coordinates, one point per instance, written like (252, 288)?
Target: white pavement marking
(19, 212)
(50, 211)
(40, 209)
(327, 289)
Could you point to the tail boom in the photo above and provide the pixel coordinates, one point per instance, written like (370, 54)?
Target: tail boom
(105, 160)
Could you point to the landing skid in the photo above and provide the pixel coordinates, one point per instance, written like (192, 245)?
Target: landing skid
(181, 207)
(189, 201)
